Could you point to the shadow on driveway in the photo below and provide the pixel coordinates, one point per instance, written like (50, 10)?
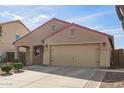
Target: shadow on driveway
(73, 72)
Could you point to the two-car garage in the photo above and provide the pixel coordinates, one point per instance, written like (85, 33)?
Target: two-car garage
(80, 55)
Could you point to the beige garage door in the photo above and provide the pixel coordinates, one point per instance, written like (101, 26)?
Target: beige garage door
(75, 55)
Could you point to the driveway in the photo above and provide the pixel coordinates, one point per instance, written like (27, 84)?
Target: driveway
(49, 76)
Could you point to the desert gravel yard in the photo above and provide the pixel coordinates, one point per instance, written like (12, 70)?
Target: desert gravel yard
(62, 77)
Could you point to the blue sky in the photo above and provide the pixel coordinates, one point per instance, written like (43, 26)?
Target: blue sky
(102, 18)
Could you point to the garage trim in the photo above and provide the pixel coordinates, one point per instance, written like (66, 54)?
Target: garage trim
(84, 43)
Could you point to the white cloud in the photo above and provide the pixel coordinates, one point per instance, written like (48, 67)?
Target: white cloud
(87, 17)
(113, 30)
(35, 21)
(44, 16)
(32, 16)
(97, 27)
(16, 17)
(32, 21)
(39, 18)
(9, 15)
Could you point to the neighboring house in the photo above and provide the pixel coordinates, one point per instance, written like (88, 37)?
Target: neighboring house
(11, 31)
(61, 43)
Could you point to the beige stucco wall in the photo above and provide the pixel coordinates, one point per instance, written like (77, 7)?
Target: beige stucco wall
(47, 55)
(39, 34)
(9, 35)
(80, 36)
(105, 54)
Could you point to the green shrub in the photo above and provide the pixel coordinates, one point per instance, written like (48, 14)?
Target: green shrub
(17, 66)
(6, 68)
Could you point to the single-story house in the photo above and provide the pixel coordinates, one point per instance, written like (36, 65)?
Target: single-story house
(60, 43)
(9, 32)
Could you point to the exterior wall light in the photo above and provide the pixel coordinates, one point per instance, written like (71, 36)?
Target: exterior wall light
(46, 45)
(104, 43)
(42, 41)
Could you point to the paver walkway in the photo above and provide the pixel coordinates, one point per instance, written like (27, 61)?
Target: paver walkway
(95, 80)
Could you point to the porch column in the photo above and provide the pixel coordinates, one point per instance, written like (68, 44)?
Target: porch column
(31, 55)
(16, 52)
(27, 56)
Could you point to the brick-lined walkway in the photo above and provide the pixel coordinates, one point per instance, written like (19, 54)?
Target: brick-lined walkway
(95, 80)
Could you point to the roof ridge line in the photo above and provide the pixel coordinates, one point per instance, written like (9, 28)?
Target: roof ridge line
(90, 29)
(9, 22)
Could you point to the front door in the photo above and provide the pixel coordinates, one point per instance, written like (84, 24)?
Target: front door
(38, 55)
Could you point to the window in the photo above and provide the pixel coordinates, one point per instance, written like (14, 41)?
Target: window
(17, 37)
(53, 27)
(72, 32)
(37, 50)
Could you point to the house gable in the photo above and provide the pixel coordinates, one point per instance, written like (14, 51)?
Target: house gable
(39, 34)
(13, 22)
(10, 29)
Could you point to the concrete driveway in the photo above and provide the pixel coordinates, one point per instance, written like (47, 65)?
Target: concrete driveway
(49, 76)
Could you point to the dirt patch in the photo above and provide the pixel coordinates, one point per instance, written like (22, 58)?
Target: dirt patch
(113, 80)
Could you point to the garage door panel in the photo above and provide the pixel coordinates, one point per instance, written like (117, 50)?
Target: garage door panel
(59, 58)
(75, 55)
